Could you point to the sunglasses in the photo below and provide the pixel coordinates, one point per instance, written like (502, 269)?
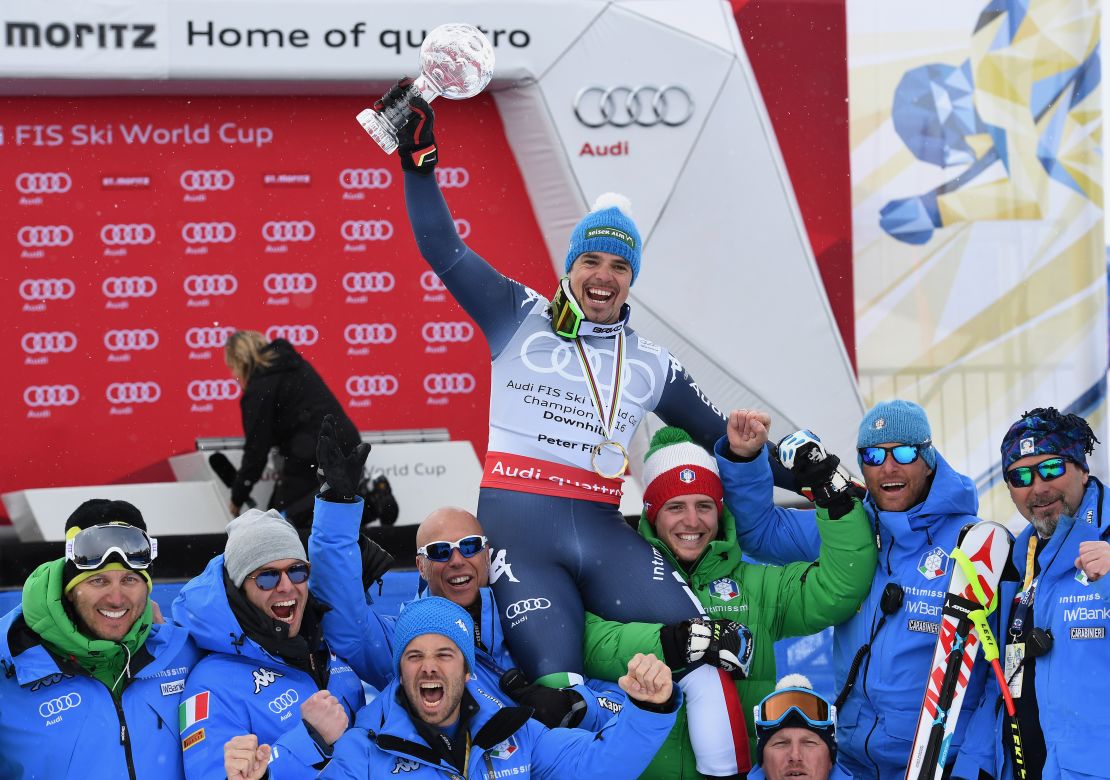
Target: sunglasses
(781, 704)
(903, 453)
(1022, 476)
(268, 579)
(90, 548)
(440, 552)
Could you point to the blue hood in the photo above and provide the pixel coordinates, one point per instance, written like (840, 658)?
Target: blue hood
(202, 608)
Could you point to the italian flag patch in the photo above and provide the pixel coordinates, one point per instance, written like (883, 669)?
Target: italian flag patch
(191, 711)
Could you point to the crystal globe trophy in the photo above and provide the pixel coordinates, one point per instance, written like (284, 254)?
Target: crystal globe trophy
(456, 61)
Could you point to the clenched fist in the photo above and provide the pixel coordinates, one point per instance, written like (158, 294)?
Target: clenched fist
(648, 680)
(244, 758)
(747, 431)
(324, 713)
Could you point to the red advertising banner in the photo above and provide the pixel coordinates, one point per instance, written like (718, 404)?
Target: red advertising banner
(137, 232)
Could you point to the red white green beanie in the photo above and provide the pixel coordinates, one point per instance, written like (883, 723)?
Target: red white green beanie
(675, 466)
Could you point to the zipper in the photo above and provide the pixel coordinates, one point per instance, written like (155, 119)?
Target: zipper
(124, 739)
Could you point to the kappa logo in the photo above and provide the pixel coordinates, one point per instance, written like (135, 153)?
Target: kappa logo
(430, 282)
(443, 332)
(264, 678)
(127, 235)
(725, 589)
(377, 384)
(369, 281)
(130, 340)
(43, 183)
(129, 287)
(287, 284)
(213, 390)
(518, 608)
(32, 236)
(498, 566)
(207, 338)
(48, 342)
(449, 384)
(504, 750)
(366, 230)
(283, 702)
(207, 181)
(38, 396)
(49, 709)
(281, 232)
(204, 285)
(47, 289)
(297, 335)
(208, 232)
(459, 622)
(462, 227)
(448, 178)
(687, 476)
(1028, 446)
(359, 333)
(404, 765)
(933, 563)
(365, 178)
(133, 392)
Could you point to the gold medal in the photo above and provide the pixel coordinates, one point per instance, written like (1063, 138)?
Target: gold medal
(598, 449)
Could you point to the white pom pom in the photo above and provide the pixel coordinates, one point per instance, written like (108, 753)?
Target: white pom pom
(794, 681)
(610, 199)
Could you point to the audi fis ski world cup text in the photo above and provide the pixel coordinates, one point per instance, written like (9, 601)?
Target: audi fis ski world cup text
(137, 134)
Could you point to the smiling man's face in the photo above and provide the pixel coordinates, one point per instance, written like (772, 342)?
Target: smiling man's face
(896, 487)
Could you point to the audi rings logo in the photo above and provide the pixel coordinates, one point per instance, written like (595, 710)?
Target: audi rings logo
(442, 332)
(367, 230)
(130, 340)
(284, 284)
(462, 227)
(213, 390)
(377, 384)
(518, 608)
(48, 709)
(127, 235)
(370, 333)
(50, 395)
(46, 289)
(368, 281)
(297, 335)
(279, 232)
(669, 105)
(449, 384)
(203, 285)
(207, 181)
(430, 282)
(32, 236)
(133, 392)
(43, 183)
(208, 232)
(284, 702)
(129, 287)
(365, 178)
(48, 342)
(452, 177)
(207, 338)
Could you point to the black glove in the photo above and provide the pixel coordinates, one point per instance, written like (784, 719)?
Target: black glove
(341, 473)
(375, 562)
(556, 708)
(818, 473)
(416, 146)
(725, 644)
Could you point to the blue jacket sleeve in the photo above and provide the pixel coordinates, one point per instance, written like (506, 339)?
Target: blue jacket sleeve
(350, 756)
(352, 627)
(767, 532)
(603, 699)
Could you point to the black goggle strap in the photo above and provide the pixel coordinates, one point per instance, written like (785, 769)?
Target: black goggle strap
(89, 548)
(566, 314)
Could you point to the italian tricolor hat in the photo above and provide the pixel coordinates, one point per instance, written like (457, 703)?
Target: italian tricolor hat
(676, 466)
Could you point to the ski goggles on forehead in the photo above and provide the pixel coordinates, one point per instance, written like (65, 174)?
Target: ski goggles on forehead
(268, 579)
(90, 548)
(1022, 476)
(903, 453)
(780, 705)
(440, 552)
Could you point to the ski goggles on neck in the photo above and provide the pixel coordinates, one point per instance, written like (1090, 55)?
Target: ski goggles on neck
(566, 314)
(803, 702)
(902, 453)
(1022, 476)
(440, 552)
(268, 579)
(90, 548)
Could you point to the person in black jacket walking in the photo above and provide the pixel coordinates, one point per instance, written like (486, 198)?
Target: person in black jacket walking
(284, 403)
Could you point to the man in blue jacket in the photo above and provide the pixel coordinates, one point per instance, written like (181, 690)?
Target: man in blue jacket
(91, 685)
(269, 671)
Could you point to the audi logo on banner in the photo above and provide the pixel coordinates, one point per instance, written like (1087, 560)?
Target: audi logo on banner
(462, 227)
(280, 232)
(48, 342)
(443, 332)
(47, 289)
(284, 702)
(449, 384)
(367, 230)
(430, 282)
(200, 181)
(207, 338)
(203, 285)
(130, 340)
(213, 389)
(43, 183)
(646, 106)
(365, 178)
(133, 392)
(129, 287)
(127, 235)
(32, 236)
(370, 333)
(285, 284)
(368, 281)
(452, 177)
(208, 232)
(377, 384)
(297, 335)
(518, 608)
(49, 709)
(50, 395)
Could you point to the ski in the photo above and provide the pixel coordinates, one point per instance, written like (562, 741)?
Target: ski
(980, 556)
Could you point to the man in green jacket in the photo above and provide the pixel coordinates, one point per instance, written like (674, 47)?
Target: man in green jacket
(688, 523)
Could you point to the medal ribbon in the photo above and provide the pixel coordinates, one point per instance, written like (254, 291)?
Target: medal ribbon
(610, 419)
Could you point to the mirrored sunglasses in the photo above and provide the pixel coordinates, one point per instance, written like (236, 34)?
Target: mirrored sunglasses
(90, 548)
(903, 453)
(268, 579)
(440, 552)
(1022, 476)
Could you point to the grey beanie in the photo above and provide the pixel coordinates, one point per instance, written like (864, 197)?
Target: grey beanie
(256, 538)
